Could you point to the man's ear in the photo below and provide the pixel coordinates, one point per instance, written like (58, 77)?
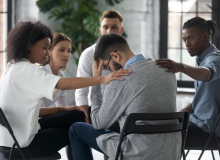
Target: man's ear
(115, 56)
(100, 30)
(206, 37)
(29, 46)
(122, 30)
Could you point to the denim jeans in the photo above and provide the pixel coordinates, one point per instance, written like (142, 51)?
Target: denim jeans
(82, 138)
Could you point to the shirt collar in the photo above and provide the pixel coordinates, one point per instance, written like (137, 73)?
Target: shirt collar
(134, 59)
(48, 69)
(211, 49)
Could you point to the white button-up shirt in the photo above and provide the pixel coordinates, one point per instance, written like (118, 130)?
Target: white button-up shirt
(86, 61)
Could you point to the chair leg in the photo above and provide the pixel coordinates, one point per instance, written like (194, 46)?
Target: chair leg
(187, 152)
(19, 148)
(200, 156)
(183, 153)
(105, 157)
(12, 148)
(217, 141)
(119, 146)
(213, 157)
(206, 145)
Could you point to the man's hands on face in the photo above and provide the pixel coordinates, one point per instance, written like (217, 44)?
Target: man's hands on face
(171, 66)
(97, 72)
(97, 68)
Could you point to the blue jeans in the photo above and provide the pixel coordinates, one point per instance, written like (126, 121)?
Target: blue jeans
(83, 136)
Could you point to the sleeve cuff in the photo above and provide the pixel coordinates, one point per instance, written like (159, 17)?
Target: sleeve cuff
(211, 71)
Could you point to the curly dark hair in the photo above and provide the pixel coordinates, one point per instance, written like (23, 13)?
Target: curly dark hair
(22, 36)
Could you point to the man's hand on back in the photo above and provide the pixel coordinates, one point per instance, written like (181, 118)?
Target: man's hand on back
(171, 66)
(97, 69)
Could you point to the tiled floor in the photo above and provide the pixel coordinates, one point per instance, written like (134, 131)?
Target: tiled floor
(193, 155)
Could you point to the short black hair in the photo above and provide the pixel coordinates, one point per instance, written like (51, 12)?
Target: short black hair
(22, 36)
(108, 43)
(203, 25)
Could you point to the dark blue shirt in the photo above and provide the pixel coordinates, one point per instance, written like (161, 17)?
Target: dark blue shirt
(206, 103)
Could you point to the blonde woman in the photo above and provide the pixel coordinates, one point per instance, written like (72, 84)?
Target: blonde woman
(60, 52)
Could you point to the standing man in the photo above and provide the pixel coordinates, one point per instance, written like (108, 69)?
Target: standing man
(197, 34)
(111, 22)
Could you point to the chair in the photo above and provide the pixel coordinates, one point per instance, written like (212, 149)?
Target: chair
(206, 146)
(131, 128)
(4, 122)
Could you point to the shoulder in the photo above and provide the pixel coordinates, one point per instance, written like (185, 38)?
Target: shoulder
(148, 70)
(28, 66)
(25, 70)
(90, 49)
(87, 58)
(88, 52)
(212, 57)
(42, 67)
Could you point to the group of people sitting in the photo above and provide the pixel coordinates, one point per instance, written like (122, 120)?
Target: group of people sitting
(122, 82)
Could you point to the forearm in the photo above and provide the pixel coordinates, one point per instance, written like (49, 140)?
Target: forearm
(198, 73)
(78, 82)
(44, 111)
(187, 108)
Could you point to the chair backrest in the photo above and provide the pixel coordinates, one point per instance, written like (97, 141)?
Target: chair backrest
(131, 127)
(4, 122)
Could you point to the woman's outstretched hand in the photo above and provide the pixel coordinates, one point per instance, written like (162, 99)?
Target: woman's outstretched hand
(115, 75)
(97, 72)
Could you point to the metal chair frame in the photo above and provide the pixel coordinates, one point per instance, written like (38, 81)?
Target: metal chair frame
(207, 143)
(131, 128)
(4, 122)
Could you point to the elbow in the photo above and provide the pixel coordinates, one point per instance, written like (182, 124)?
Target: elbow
(209, 75)
(207, 78)
(97, 125)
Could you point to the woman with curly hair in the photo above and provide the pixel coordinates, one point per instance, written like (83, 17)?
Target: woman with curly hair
(24, 84)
